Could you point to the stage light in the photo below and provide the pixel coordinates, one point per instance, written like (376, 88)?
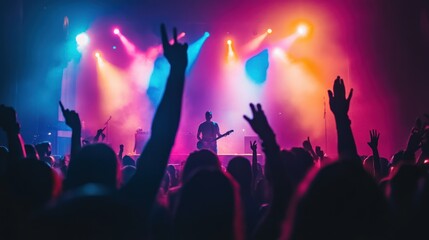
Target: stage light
(114, 47)
(257, 66)
(206, 34)
(269, 30)
(302, 30)
(82, 39)
(229, 42)
(278, 51)
(194, 50)
(116, 31)
(97, 54)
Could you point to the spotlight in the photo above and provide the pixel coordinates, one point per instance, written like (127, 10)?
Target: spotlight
(206, 34)
(229, 42)
(97, 54)
(269, 30)
(302, 30)
(116, 31)
(278, 52)
(82, 39)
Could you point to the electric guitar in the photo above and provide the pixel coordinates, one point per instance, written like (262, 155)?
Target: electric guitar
(204, 144)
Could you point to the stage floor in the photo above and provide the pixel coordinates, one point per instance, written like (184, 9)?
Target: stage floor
(179, 159)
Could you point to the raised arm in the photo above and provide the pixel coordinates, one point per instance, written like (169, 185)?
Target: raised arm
(73, 121)
(414, 142)
(152, 162)
(254, 148)
(121, 152)
(309, 147)
(9, 123)
(260, 125)
(373, 144)
(320, 155)
(339, 105)
(270, 226)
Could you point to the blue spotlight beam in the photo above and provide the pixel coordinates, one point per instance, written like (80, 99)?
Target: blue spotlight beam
(157, 80)
(257, 66)
(161, 68)
(194, 51)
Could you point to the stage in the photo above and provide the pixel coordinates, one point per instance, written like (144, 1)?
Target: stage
(180, 159)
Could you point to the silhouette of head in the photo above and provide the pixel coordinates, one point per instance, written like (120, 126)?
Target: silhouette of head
(368, 165)
(3, 151)
(341, 201)
(32, 183)
(209, 115)
(208, 207)
(240, 169)
(173, 175)
(198, 160)
(49, 160)
(166, 182)
(31, 151)
(95, 163)
(297, 163)
(128, 161)
(171, 170)
(89, 212)
(44, 149)
(397, 158)
(127, 173)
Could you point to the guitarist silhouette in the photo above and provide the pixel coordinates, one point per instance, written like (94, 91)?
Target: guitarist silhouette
(208, 133)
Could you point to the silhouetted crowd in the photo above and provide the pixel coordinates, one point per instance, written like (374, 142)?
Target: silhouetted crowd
(299, 193)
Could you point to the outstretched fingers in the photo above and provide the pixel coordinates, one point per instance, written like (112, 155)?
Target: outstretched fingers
(164, 36)
(330, 95)
(350, 96)
(175, 35)
(259, 107)
(253, 109)
(62, 107)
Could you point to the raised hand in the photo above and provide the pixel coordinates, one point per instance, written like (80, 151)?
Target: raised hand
(416, 135)
(307, 145)
(71, 117)
(73, 121)
(339, 105)
(259, 123)
(319, 152)
(176, 53)
(309, 148)
(374, 136)
(338, 102)
(253, 146)
(121, 151)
